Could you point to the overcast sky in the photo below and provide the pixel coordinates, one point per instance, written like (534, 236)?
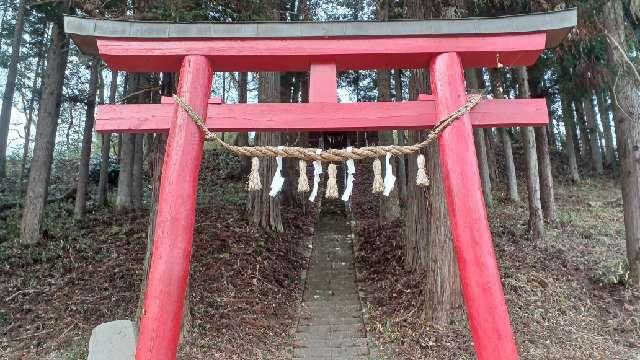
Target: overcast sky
(16, 130)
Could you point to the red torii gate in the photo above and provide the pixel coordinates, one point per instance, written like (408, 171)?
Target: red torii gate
(196, 50)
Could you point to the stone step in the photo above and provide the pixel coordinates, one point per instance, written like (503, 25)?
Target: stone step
(332, 343)
(331, 306)
(331, 331)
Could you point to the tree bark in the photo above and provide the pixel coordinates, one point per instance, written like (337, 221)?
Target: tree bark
(124, 197)
(243, 137)
(580, 121)
(592, 134)
(389, 208)
(156, 160)
(137, 181)
(48, 112)
(155, 163)
(80, 209)
(626, 107)
(607, 130)
(10, 85)
(36, 88)
(264, 210)
(547, 195)
(428, 235)
(491, 143)
(536, 220)
(145, 81)
(416, 225)
(402, 167)
(551, 129)
(509, 166)
(569, 144)
(472, 76)
(103, 183)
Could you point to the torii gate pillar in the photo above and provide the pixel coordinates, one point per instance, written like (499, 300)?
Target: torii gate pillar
(169, 271)
(481, 286)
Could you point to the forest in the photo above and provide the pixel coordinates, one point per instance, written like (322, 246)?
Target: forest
(78, 207)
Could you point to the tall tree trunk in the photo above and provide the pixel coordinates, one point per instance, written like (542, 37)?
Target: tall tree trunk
(290, 169)
(397, 85)
(609, 146)
(243, 137)
(581, 120)
(103, 183)
(137, 178)
(264, 210)
(36, 89)
(509, 166)
(592, 133)
(492, 144)
(547, 195)
(48, 111)
(389, 208)
(155, 163)
(626, 109)
(145, 82)
(402, 167)
(569, 145)
(428, 235)
(536, 221)
(551, 129)
(473, 82)
(10, 85)
(80, 209)
(416, 225)
(156, 160)
(124, 196)
(124, 199)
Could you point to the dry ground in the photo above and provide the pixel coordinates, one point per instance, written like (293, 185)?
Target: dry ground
(566, 294)
(245, 282)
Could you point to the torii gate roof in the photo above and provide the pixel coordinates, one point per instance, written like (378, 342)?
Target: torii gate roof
(260, 46)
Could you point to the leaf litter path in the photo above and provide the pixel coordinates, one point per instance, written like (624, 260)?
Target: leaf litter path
(331, 325)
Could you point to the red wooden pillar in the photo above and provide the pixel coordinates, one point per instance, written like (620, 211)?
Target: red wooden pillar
(481, 285)
(323, 83)
(169, 272)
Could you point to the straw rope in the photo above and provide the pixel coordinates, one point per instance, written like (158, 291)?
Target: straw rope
(330, 155)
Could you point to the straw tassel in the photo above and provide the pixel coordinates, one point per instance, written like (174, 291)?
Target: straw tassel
(378, 182)
(303, 181)
(421, 178)
(332, 184)
(254, 176)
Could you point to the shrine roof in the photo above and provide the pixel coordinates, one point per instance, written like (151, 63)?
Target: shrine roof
(86, 31)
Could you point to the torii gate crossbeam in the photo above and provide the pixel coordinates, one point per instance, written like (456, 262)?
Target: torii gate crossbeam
(197, 50)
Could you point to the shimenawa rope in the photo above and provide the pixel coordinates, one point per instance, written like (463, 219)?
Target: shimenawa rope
(330, 155)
